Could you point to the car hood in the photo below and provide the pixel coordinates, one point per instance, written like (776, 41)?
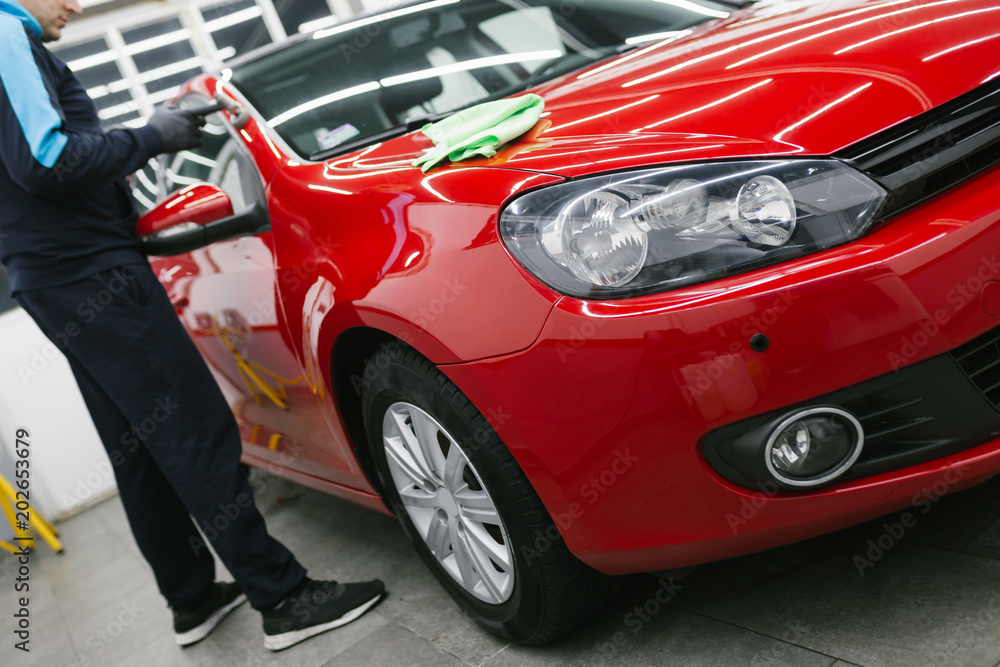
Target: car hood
(784, 78)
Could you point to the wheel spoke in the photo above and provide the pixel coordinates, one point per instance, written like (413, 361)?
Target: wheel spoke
(417, 497)
(430, 450)
(412, 443)
(438, 537)
(471, 547)
(463, 558)
(454, 469)
(399, 460)
(484, 544)
(477, 506)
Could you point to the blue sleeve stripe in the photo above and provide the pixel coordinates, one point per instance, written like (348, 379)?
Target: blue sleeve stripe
(26, 91)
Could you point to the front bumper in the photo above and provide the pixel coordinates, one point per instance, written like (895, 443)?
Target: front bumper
(917, 414)
(608, 411)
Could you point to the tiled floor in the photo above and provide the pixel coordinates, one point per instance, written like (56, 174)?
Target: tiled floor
(932, 598)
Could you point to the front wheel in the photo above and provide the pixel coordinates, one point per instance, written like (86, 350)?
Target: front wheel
(468, 508)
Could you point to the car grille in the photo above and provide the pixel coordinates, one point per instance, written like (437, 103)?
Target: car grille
(926, 155)
(888, 424)
(980, 359)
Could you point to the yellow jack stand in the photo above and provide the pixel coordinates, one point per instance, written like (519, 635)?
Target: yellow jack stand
(23, 528)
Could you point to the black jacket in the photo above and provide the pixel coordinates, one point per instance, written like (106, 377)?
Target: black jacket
(66, 211)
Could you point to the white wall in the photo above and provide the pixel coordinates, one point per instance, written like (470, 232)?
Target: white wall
(69, 467)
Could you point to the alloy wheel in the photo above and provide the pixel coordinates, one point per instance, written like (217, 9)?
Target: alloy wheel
(448, 504)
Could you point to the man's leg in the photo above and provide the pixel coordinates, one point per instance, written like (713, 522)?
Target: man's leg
(131, 344)
(160, 523)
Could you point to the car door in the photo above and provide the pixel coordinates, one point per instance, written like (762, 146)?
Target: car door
(225, 295)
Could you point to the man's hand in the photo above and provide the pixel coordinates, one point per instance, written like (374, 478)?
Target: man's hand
(178, 129)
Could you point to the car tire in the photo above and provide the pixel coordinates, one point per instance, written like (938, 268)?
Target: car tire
(511, 571)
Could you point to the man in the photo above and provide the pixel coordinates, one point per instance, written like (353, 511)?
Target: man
(75, 266)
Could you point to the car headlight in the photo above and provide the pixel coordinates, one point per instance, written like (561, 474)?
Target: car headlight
(653, 230)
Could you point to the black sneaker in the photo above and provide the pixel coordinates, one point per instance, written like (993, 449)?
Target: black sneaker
(195, 620)
(315, 607)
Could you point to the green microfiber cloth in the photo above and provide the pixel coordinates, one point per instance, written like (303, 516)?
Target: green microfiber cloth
(480, 130)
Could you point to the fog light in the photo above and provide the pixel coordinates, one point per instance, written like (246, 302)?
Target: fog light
(814, 446)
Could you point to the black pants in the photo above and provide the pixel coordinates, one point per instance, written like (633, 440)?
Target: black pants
(170, 435)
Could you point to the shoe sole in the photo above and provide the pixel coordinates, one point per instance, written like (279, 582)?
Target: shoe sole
(288, 639)
(203, 630)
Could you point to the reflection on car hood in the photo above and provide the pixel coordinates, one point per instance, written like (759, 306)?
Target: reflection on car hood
(781, 78)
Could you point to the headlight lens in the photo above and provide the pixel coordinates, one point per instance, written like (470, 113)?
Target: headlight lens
(765, 212)
(655, 230)
(606, 247)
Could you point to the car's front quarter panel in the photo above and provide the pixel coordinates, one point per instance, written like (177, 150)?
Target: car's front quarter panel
(413, 255)
(616, 452)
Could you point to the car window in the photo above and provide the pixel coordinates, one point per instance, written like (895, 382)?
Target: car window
(526, 30)
(374, 77)
(230, 178)
(216, 161)
(456, 89)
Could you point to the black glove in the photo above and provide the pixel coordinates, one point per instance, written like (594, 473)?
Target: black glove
(178, 129)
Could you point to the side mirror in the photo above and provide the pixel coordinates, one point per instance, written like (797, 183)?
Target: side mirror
(194, 217)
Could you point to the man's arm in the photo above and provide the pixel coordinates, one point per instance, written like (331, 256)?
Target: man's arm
(41, 155)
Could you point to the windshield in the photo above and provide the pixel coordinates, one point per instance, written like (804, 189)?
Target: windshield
(384, 74)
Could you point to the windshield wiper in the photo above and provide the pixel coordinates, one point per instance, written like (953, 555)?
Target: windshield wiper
(417, 122)
(409, 125)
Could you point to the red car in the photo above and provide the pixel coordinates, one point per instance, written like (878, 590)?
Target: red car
(739, 286)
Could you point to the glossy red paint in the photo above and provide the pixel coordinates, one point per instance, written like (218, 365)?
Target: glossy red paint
(600, 401)
(200, 203)
(630, 387)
